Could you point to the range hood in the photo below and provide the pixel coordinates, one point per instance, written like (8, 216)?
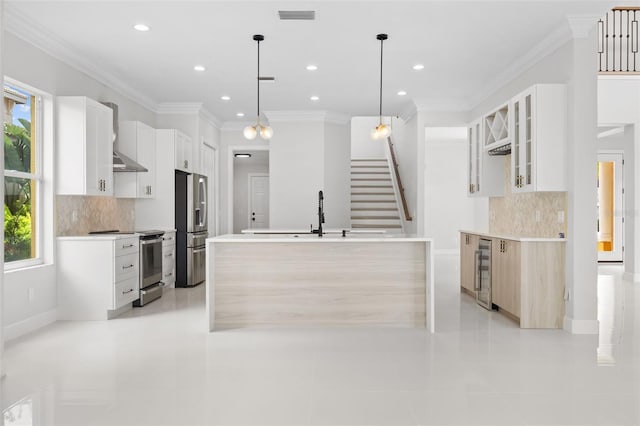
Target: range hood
(121, 163)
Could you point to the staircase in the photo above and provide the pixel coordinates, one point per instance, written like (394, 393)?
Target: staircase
(373, 201)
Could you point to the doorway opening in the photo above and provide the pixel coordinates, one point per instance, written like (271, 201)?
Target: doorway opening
(249, 181)
(610, 207)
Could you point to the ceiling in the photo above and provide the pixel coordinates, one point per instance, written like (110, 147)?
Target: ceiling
(465, 48)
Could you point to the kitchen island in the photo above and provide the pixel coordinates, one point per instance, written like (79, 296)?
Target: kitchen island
(303, 279)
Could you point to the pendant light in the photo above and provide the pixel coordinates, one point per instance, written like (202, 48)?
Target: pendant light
(250, 132)
(381, 131)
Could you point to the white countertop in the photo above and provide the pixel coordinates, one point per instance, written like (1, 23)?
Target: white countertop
(313, 238)
(97, 237)
(306, 231)
(514, 238)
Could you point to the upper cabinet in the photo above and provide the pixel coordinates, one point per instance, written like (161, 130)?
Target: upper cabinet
(183, 153)
(84, 147)
(137, 141)
(496, 128)
(485, 173)
(539, 139)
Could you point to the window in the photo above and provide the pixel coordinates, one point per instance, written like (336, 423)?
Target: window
(22, 175)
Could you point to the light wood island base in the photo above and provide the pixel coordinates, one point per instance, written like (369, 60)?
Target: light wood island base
(266, 280)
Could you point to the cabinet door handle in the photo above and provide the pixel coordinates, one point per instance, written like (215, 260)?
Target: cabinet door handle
(128, 267)
(168, 255)
(127, 246)
(128, 291)
(168, 274)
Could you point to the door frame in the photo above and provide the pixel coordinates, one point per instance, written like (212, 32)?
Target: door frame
(231, 151)
(619, 204)
(249, 203)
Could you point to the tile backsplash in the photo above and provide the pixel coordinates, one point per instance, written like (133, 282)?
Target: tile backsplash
(77, 215)
(534, 214)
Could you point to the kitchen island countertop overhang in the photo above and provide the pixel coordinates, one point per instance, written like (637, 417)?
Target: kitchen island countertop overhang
(303, 279)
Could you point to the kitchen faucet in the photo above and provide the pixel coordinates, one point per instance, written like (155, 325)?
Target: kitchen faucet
(320, 215)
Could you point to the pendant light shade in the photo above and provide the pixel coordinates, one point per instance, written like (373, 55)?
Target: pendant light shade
(251, 132)
(381, 131)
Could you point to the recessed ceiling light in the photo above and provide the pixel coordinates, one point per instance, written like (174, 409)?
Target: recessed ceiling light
(240, 114)
(141, 27)
(199, 68)
(242, 155)
(225, 98)
(314, 98)
(418, 67)
(312, 67)
(402, 93)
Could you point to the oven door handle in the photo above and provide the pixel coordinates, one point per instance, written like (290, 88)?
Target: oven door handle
(147, 242)
(199, 250)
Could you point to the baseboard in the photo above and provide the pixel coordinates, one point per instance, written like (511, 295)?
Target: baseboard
(28, 325)
(580, 326)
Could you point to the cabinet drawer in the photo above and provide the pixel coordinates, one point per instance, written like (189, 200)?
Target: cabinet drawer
(126, 267)
(169, 277)
(126, 246)
(125, 292)
(168, 260)
(169, 239)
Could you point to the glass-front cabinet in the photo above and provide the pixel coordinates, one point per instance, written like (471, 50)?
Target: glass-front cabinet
(539, 139)
(484, 172)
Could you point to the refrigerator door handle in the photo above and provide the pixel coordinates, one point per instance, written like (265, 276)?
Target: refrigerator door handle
(203, 201)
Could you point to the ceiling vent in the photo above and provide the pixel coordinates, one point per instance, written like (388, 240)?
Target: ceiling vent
(297, 15)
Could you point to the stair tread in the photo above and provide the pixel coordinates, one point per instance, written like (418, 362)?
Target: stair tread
(370, 173)
(372, 193)
(370, 180)
(369, 167)
(372, 186)
(377, 209)
(373, 201)
(375, 217)
(368, 159)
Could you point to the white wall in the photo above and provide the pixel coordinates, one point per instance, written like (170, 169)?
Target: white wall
(362, 145)
(337, 176)
(241, 172)
(447, 207)
(30, 65)
(296, 171)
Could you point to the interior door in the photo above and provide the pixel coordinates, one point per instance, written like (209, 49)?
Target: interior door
(258, 201)
(610, 207)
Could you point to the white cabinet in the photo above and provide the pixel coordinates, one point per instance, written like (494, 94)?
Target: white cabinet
(539, 139)
(97, 277)
(137, 141)
(169, 258)
(485, 173)
(84, 147)
(183, 152)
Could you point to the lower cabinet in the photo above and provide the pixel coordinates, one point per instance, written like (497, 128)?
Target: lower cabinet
(468, 247)
(505, 275)
(169, 259)
(98, 277)
(527, 277)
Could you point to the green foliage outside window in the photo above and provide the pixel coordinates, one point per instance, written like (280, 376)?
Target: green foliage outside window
(17, 192)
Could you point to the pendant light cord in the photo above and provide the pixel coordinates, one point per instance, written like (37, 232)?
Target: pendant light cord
(258, 84)
(381, 47)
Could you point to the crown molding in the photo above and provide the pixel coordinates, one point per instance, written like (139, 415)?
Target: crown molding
(179, 108)
(52, 45)
(581, 25)
(307, 116)
(409, 112)
(209, 117)
(441, 105)
(549, 44)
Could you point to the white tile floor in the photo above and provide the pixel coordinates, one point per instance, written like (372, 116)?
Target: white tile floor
(158, 366)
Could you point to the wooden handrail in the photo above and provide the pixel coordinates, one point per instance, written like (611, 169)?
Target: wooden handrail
(405, 207)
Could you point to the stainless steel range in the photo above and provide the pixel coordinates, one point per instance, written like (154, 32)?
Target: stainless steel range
(150, 263)
(150, 266)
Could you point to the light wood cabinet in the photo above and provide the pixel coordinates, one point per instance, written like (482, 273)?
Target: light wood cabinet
(505, 279)
(84, 148)
(539, 139)
(468, 247)
(485, 173)
(137, 141)
(98, 277)
(527, 277)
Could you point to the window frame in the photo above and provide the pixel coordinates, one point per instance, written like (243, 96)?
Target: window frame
(38, 259)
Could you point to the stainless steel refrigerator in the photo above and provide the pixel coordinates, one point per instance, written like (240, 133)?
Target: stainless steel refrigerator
(191, 226)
